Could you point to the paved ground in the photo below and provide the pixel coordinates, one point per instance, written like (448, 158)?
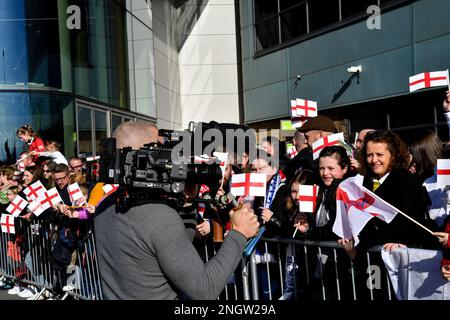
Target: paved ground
(5, 296)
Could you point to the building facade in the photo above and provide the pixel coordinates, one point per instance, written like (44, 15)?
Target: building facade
(75, 69)
(319, 40)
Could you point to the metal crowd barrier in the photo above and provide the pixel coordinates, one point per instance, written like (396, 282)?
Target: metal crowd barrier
(321, 270)
(26, 260)
(263, 275)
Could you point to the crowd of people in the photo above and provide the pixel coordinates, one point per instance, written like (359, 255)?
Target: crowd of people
(145, 253)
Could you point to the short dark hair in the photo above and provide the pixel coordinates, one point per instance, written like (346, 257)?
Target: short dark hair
(337, 152)
(61, 167)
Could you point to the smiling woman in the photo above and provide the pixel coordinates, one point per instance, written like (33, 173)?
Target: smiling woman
(384, 163)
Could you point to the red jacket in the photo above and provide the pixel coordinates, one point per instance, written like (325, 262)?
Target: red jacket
(446, 252)
(36, 145)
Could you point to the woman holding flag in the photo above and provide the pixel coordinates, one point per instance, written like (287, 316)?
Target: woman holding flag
(385, 160)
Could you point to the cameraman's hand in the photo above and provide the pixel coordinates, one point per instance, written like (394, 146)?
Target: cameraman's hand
(245, 221)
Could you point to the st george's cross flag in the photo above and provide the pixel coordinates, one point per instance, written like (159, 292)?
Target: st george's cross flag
(75, 192)
(34, 191)
(443, 172)
(292, 151)
(428, 79)
(248, 184)
(50, 198)
(307, 198)
(7, 223)
(109, 189)
(296, 120)
(355, 206)
(304, 108)
(17, 205)
(332, 140)
(35, 207)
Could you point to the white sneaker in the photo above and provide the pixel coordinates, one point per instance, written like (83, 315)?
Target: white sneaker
(14, 290)
(26, 293)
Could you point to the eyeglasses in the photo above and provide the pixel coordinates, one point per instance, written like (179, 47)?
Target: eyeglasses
(47, 171)
(78, 166)
(62, 178)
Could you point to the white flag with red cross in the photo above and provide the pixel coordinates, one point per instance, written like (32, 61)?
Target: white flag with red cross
(428, 80)
(307, 198)
(75, 192)
(50, 198)
(355, 206)
(223, 159)
(109, 189)
(17, 205)
(248, 184)
(332, 140)
(443, 172)
(35, 207)
(292, 151)
(7, 223)
(304, 108)
(34, 191)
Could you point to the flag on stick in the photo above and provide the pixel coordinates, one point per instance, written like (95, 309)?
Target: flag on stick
(332, 140)
(34, 191)
(307, 198)
(50, 198)
(428, 80)
(443, 172)
(75, 192)
(7, 223)
(248, 184)
(17, 205)
(35, 207)
(356, 205)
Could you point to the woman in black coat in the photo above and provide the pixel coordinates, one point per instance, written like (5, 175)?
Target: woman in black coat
(384, 164)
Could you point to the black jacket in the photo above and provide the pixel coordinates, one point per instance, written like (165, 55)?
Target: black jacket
(403, 191)
(303, 160)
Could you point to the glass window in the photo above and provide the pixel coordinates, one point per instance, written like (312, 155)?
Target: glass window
(322, 13)
(101, 131)
(84, 132)
(51, 116)
(293, 22)
(79, 38)
(351, 8)
(265, 9)
(29, 37)
(267, 34)
(115, 122)
(286, 4)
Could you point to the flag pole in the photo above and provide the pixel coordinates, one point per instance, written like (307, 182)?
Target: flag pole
(394, 208)
(293, 236)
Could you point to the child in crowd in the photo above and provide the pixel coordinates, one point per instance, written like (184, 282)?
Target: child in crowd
(27, 135)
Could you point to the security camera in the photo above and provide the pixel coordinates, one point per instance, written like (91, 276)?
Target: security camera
(354, 69)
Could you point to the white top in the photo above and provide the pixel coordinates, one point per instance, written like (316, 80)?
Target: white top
(56, 156)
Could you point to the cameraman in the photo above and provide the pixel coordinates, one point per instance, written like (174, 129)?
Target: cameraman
(146, 252)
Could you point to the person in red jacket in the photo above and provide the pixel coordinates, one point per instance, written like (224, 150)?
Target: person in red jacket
(445, 241)
(27, 135)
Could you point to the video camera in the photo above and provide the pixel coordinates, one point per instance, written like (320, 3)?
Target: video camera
(156, 172)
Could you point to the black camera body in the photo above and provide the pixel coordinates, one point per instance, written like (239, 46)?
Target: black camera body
(155, 172)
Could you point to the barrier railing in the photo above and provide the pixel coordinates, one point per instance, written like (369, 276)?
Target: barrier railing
(279, 268)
